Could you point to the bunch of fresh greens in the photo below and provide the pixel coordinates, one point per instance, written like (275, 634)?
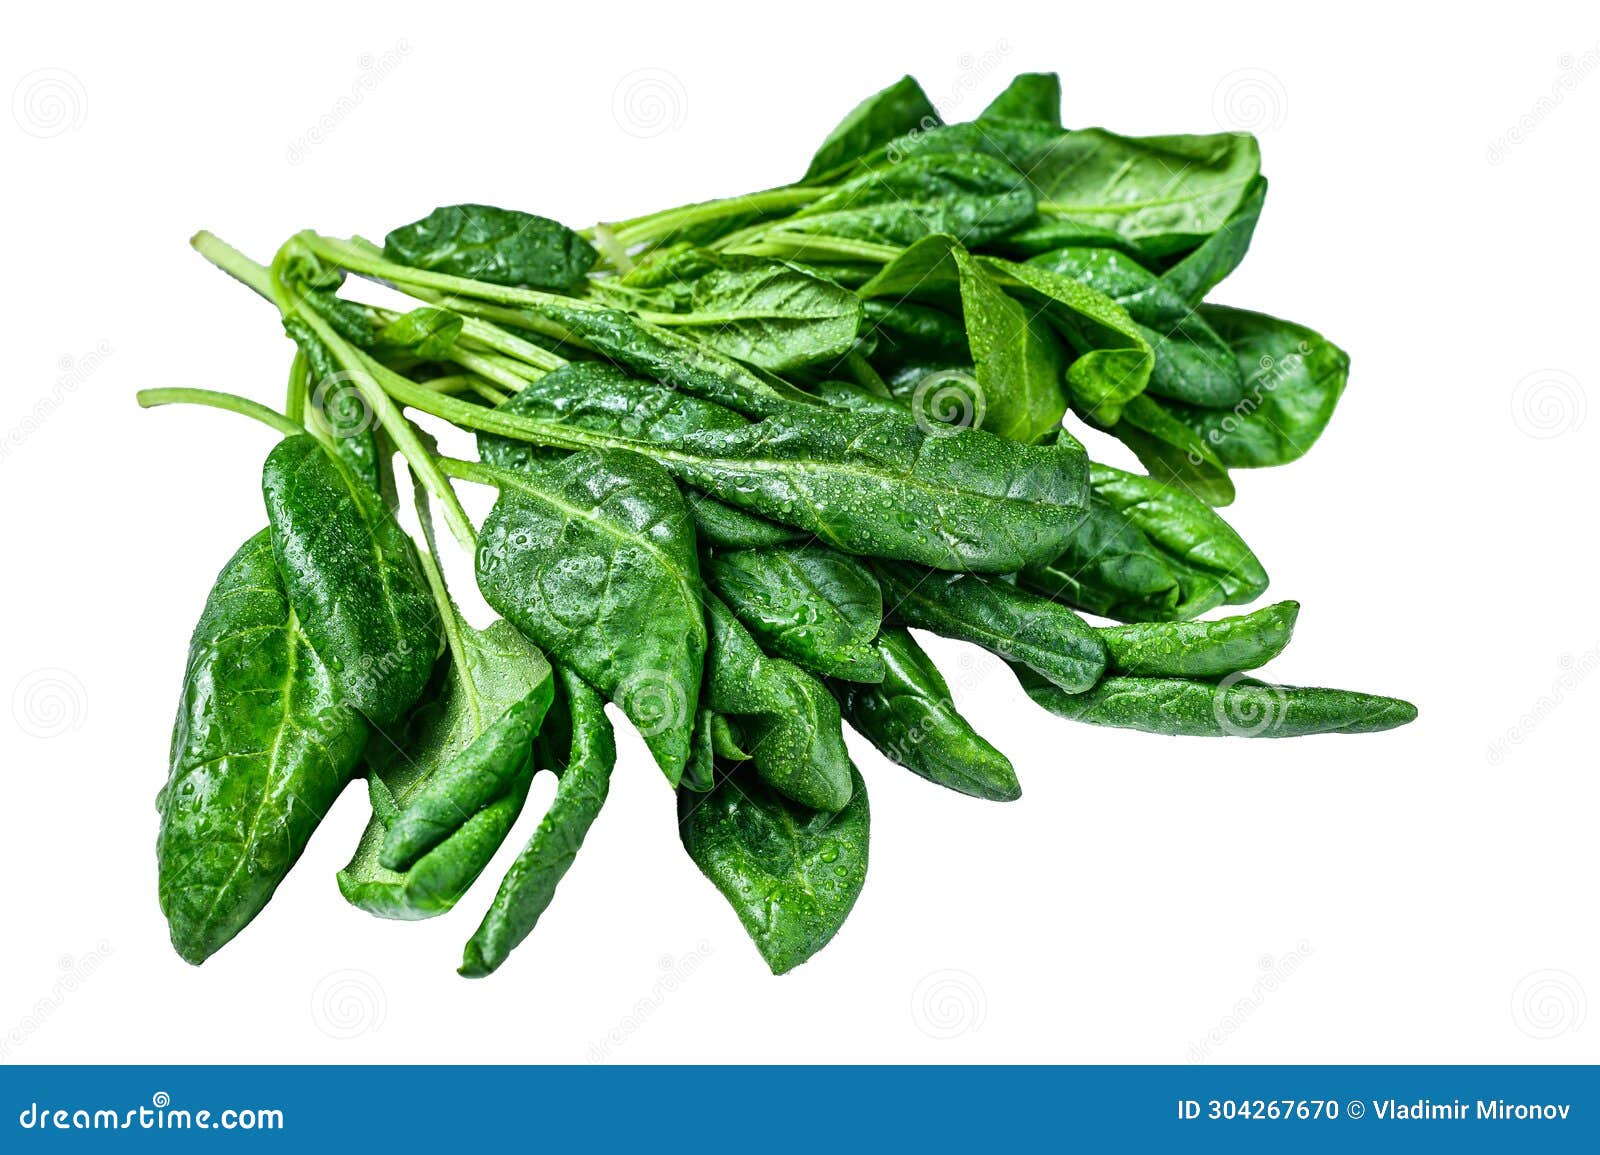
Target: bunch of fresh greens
(740, 450)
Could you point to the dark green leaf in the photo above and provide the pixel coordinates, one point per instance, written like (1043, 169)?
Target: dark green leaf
(1220, 253)
(913, 722)
(1293, 381)
(1164, 193)
(728, 527)
(262, 746)
(974, 197)
(490, 680)
(812, 605)
(594, 559)
(901, 108)
(428, 333)
(1017, 625)
(584, 759)
(501, 246)
(769, 313)
(1172, 451)
(1232, 708)
(1192, 364)
(1030, 96)
(1200, 649)
(352, 578)
(791, 874)
(789, 719)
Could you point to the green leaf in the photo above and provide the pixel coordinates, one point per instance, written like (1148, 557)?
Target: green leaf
(723, 526)
(353, 580)
(854, 480)
(1112, 568)
(771, 314)
(262, 746)
(593, 558)
(812, 605)
(1232, 708)
(1017, 360)
(901, 108)
(582, 751)
(491, 682)
(791, 874)
(429, 333)
(910, 717)
(1192, 364)
(1032, 96)
(789, 719)
(1220, 253)
(1017, 625)
(1172, 451)
(1293, 380)
(974, 197)
(1114, 360)
(500, 246)
(1163, 193)
(1197, 543)
(1200, 649)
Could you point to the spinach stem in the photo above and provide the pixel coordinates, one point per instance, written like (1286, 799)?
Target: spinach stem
(363, 371)
(294, 406)
(232, 402)
(658, 225)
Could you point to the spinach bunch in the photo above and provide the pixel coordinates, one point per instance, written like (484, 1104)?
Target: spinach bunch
(739, 451)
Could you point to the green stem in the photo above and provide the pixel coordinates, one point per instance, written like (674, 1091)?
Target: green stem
(232, 402)
(658, 225)
(364, 373)
(357, 259)
(294, 406)
(231, 261)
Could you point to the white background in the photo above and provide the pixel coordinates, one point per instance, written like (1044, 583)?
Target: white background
(1420, 895)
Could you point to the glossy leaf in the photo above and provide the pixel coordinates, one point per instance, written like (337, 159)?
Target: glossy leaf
(973, 197)
(1293, 380)
(1163, 193)
(1191, 362)
(490, 683)
(581, 749)
(1017, 360)
(1172, 452)
(1219, 254)
(500, 246)
(910, 717)
(789, 719)
(353, 579)
(1232, 708)
(1031, 96)
(814, 606)
(262, 746)
(901, 108)
(593, 558)
(1015, 624)
(1200, 649)
(429, 333)
(791, 874)
(770, 314)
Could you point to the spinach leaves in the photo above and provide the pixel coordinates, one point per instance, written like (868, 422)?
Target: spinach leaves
(739, 449)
